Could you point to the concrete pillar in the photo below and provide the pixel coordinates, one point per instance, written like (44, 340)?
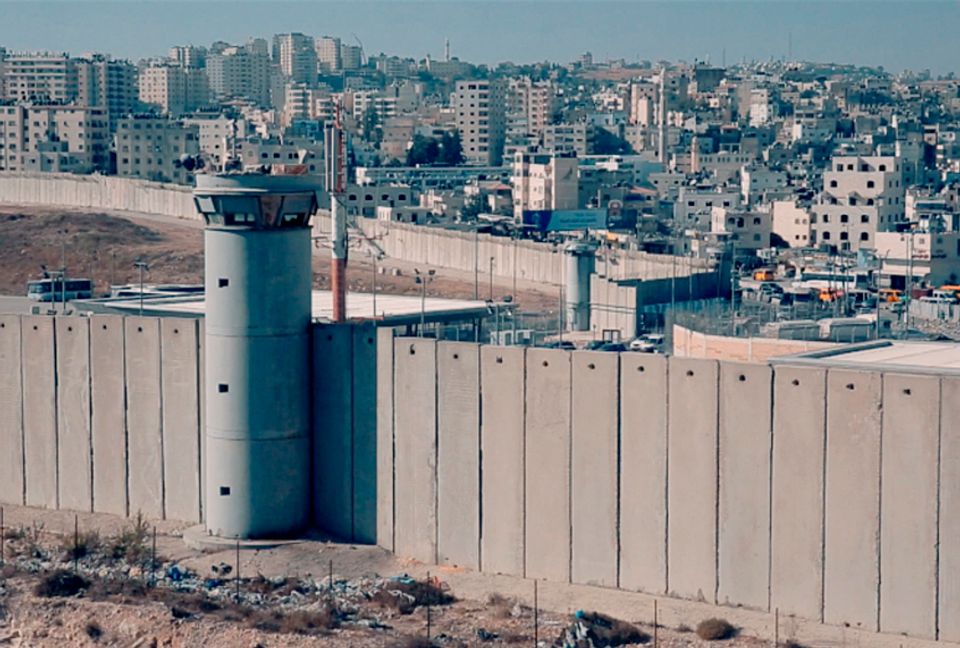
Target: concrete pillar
(502, 459)
(595, 468)
(458, 454)
(415, 407)
(799, 426)
(74, 457)
(643, 472)
(11, 403)
(852, 569)
(547, 465)
(109, 415)
(692, 479)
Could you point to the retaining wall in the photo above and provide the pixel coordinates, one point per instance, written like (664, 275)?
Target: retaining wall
(688, 343)
(826, 494)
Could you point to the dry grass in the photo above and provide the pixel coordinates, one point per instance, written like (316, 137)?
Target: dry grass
(715, 630)
(84, 544)
(131, 544)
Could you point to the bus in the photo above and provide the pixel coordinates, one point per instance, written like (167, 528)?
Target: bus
(52, 290)
(820, 280)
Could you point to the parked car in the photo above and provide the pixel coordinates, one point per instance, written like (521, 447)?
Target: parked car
(594, 345)
(642, 345)
(614, 347)
(566, 345)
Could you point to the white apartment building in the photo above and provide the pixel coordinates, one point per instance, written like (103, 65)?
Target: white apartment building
(791, 222)
(174, 90)
(238, 73)
(150, 147)
(748, 230)
(42, 77)
(565, 138)
(216, 134)
(530, 105)
(328, 53)
(479, 113)
(255, 151)
(542, 182)
(758, 181)
(693, 206)
(862, 195)
(72, 139)
(297, 57)
(918, 257)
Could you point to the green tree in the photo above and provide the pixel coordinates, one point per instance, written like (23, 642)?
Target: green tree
(451, 150)
(423, 150)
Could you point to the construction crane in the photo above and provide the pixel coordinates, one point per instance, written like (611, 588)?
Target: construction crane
(363, 57)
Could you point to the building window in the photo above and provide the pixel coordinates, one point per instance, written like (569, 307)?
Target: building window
(833, 184)
(844, 236)
(864, 236)
(844, 218)
(864, 218)
(871, 184)
(826, 236)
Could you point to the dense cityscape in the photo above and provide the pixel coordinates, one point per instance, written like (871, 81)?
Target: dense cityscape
(307, 345)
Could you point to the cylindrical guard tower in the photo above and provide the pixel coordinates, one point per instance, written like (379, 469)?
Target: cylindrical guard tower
(258, 309)
(581, 261)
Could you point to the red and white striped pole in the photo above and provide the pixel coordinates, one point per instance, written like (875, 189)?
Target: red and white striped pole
(338, 218)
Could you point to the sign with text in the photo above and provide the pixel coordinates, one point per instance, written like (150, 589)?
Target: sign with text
(565, 220)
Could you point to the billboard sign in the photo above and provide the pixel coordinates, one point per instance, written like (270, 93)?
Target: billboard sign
(565, 220)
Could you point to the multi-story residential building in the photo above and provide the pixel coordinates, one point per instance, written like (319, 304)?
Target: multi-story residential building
(297, 57)
(479, 113)
(107, 83)
(188, 56)
(239, 73)
(328, 53)
(69, 138)
(255, 151)
(565, 138)
(174, 90)
(791, 222)
(151, 148)
(351, 57)
(862, 195)
(758, 181)
(748, 230)
(44, 77)
(918, 257)
(544, 182)
(693, 207)
(531, 105)
(218, 135)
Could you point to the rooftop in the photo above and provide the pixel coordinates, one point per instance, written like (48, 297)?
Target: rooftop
(886, 355)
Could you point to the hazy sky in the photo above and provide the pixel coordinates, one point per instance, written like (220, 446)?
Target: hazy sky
(908, 34)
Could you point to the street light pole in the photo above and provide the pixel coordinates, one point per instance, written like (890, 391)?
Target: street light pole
(491, 278)
(476, 261)
(141, 266)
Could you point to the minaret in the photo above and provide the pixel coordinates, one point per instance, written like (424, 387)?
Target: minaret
(446, 50)
(256, 348)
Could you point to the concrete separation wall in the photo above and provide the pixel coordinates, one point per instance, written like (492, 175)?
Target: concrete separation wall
(823, 494)
(75, 456)
(98, 192)
(11, 404)
(144, 416)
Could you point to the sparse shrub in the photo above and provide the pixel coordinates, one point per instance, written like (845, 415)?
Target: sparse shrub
(715, 630)
(791, 643)
(83, 545)
(131, 543)
(683, 627)
(61, 583)
(93, 630)
(407, 596)
(415, 642)
(502, 606)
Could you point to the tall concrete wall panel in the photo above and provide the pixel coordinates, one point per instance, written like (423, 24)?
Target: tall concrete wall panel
(415, 404)
(108, 415)
(643, 472)
(594, 470)
(458, 454)
(11, 407)
(502, 459)
(364, 372)
(181, 418)
(908, 505)
(547, 465)
(144, 416)
(744, 525)
(948, 604)
(851, 570)
(799, 426)
(38, 362)
(333, 429)
(385, 442)
(692, 479)
(74, 458)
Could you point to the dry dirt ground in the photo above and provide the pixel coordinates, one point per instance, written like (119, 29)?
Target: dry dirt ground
(109, 596)
(103, 247)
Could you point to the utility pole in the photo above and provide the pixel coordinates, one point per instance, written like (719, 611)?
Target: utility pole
(491, 278)
(141, 265)
(476, 261)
